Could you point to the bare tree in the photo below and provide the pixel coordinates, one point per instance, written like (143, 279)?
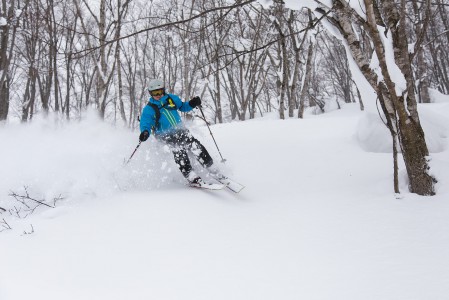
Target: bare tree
(8, 30)
(30, 59)
(336, 67)
(214, 38)
(70, 21)
(421, 14)
(282, 55)
(306, 80)
(121, 10)
(399, 108)
(437, 52)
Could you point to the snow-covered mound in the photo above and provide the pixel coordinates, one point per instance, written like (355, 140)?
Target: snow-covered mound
(373, 135)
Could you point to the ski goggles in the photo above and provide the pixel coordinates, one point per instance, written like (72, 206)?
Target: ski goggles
(158, 92)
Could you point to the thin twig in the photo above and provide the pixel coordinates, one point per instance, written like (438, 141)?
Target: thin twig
(5, 225)
(29, 232)
(27, 197)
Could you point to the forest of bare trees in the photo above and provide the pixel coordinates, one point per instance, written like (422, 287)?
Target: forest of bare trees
(242, 58)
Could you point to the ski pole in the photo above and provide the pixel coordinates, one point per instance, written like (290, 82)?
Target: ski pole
(138, 145)
(204, 118)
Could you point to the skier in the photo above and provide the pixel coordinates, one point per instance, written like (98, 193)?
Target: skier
(161, 117)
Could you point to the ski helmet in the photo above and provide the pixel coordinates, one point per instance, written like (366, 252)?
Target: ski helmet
(155, 84)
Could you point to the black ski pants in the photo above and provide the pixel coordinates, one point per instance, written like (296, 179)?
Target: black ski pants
(182, 141)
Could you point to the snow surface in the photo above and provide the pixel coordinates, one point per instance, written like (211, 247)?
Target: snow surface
(318, 218)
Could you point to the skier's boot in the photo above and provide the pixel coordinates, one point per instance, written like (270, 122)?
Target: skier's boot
(215, 173)
(194, 179)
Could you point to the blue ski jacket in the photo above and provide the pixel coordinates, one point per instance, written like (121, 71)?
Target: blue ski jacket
(170, 120)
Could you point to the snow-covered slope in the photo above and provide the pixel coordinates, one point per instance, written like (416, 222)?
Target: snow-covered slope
(318, 218)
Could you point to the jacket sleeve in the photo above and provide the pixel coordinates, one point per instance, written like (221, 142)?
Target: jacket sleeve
(147, 119)
(182, 106)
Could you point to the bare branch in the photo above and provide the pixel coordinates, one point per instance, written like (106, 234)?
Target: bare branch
(22, 198)
(238, 3)
(238, 54)
(4, 225)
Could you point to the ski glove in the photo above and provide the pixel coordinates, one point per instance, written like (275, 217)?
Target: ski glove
(195, 102)
(144, 136)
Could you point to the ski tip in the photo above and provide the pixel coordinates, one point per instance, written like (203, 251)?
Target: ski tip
(235, 189)
(239, 189)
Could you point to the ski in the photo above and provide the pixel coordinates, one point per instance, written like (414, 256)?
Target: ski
(207, 186)
(228, 182)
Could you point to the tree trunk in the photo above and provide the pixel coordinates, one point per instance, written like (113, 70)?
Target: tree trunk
(401, 111)
(420, 26)
(7, 41)
(102, 70)
(305, 85)
(120, 11)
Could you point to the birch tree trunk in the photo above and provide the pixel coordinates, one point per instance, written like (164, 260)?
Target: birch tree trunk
(283, 56)
(400, 109)
(296, 66)
(120, 12)
(306, 80)
(411, 134)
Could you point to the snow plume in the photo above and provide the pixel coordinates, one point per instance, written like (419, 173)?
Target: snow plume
(75, 159)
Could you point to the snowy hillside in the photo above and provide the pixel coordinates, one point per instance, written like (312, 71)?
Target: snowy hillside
(318, 218)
